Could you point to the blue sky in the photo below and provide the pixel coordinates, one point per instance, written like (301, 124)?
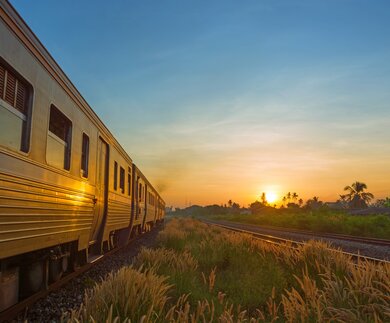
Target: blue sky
(234, 97)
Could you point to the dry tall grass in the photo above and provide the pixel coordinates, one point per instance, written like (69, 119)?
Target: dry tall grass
(128, 295)
(214, 271)
(155, 258)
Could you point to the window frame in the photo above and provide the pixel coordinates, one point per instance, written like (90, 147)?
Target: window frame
(115, 176)
(129, 181)
(122, 179)
(25, 142)
(84, 156)
(68, 154)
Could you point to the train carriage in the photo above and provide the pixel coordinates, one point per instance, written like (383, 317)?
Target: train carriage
(68, 190)
(139, 200)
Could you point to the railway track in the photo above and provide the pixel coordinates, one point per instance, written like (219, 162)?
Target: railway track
(365, 240)
(294, 244)
(11, 313)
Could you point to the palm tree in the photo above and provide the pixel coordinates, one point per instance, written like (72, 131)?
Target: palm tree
(284, 200)
(356, 195)
(294, 196)
(230, 203)
(313, 203)
(300, 202)
(263, 198)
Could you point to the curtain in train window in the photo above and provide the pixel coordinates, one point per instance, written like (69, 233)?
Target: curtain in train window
(122, 180)
(59, 139)
(14, 109)
(129, 182)
(115, 175)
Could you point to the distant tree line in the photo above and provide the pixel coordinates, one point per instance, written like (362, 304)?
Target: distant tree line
(197, 210)
(356, 197)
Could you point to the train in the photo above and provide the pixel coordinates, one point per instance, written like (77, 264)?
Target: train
(69, 192)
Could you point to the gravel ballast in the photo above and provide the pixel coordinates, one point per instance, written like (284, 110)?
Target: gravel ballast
(71, 295)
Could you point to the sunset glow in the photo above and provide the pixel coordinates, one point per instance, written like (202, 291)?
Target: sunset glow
(222, 103)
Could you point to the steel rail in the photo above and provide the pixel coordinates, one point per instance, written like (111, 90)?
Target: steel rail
(346, 237)
(292, 243)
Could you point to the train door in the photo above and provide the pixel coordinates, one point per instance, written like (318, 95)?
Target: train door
(145, 197)
(101, 191)
(155, 207)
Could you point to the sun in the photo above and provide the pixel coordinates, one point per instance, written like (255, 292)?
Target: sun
(271, 197)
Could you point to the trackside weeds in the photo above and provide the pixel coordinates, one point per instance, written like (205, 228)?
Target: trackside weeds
(205, 274)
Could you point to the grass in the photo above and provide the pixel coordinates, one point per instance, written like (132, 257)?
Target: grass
(205, 274)
(376, 226)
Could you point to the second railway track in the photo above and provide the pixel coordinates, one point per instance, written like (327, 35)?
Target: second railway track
(275, 239)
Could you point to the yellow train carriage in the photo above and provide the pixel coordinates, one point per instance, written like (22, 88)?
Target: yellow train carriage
(44, 200)
(145, 203)
(151, 207)
(160, 208)
(119, 206)
(65, 182)
(68, 190)
(139, 196)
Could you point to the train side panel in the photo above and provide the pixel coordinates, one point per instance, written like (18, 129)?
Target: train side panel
(140, 211)
(68, 190)
(119, 194)
(42, 205)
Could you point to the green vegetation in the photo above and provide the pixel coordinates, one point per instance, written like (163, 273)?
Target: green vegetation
(199, 273)
(377, 226)
(352, 214)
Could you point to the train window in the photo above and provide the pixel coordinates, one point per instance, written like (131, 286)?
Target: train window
(59, 139)
(115, 175)
(84, 155)
(122, 180)
(15, 94)
(140, 192)
(129, 182)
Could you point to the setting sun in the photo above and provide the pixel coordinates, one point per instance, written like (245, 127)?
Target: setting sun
(271, 197)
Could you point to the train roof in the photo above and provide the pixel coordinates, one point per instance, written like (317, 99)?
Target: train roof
(145, 178)
(147, 181)
(31, 41)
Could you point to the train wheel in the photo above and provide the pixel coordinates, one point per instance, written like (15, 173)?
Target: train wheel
(32, 278)
(77, 259)
(55, 269)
